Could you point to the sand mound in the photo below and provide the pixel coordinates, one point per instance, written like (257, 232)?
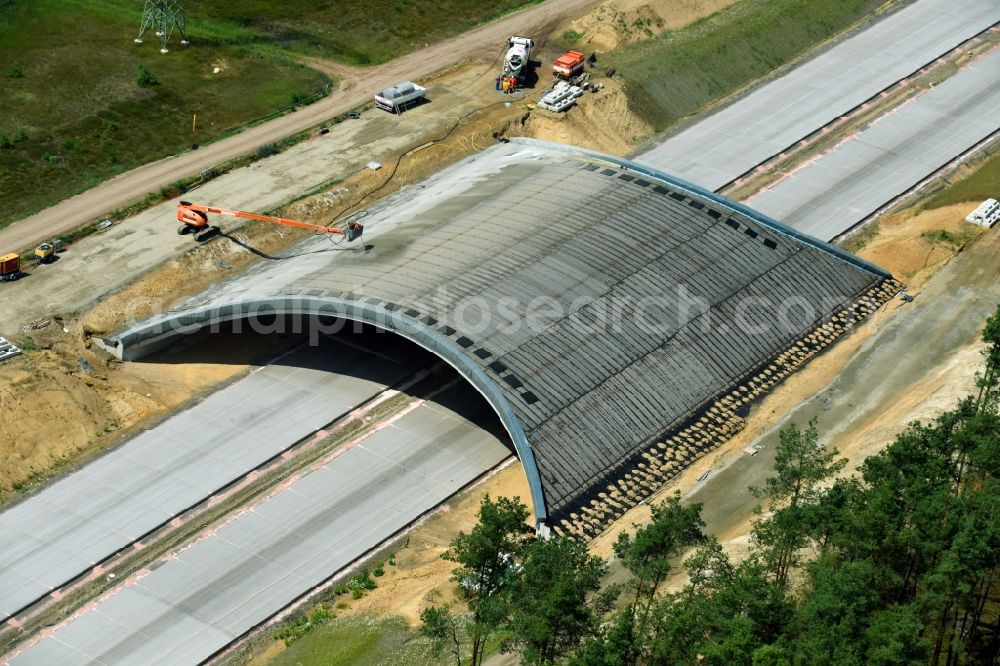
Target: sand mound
(620, 22)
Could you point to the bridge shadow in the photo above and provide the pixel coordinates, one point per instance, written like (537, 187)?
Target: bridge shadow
(337, 244)
(379, 358)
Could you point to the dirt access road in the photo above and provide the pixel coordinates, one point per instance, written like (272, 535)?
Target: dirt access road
(106, 262)
(357, 86)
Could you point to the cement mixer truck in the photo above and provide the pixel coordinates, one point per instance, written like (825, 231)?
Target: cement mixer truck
(515, 63)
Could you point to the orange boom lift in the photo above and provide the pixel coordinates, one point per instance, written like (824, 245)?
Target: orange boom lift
(194, 219)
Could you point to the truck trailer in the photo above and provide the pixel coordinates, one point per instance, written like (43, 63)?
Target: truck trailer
(399, 96)
(10, 267)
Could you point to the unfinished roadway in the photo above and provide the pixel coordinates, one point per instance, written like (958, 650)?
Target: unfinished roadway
(732, 141)
(963, 28)
(585, 333)
(114, 502)
(888, 158)
(189, 606)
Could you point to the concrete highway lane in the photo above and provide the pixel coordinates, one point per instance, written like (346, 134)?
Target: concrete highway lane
(726, 144)
(830, 195)
(197, 601)
(54, 535)
(191, 605)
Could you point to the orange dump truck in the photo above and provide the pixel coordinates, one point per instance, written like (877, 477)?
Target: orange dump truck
(568, 65)
(10, 267)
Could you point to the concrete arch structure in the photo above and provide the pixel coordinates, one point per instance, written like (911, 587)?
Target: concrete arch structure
(559, 283)
(144, 339)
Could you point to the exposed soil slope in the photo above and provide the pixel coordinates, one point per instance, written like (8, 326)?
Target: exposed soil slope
(621, 22)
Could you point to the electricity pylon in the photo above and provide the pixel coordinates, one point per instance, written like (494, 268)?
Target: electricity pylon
(163, 16)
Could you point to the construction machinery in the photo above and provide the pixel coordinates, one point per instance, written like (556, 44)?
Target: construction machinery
(46, 252)
(194, 220)
(10, 267)
(399, 96)
(515, 63)
(568, 65)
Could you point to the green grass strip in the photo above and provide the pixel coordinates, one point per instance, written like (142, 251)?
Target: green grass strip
(680, 73)
(983, 183)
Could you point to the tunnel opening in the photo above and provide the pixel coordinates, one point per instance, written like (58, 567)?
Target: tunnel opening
(377, 356)
(178, 327)
(597, 352)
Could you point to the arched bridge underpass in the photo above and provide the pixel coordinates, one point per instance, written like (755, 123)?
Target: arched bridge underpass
(615, 318)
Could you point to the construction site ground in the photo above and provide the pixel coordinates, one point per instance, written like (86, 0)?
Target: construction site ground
(141, 266)
(358, 84)
(615, 24)
(910, 362)
(63, 401)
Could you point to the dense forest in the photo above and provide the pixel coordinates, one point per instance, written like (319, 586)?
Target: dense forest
(896, 564)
